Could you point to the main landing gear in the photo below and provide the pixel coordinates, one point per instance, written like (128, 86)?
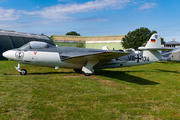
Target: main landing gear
(23, 71)
(88, 69)
(81, 72)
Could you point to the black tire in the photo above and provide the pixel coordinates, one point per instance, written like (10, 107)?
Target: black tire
(23, 72)
(86, 74)
(78, 71)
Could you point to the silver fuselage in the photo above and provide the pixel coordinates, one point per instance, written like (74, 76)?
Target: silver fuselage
(56, 56)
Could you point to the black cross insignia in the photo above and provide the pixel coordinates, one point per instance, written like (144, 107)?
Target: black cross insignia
(138, 58)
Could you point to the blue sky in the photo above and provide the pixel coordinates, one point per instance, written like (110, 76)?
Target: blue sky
(91, 17)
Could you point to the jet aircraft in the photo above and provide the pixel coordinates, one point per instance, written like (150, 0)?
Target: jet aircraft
(82, 59)
(172, 55)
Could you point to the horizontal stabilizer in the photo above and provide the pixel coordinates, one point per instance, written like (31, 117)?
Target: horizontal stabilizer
(146, 48)
(153, 48)
(130, 50)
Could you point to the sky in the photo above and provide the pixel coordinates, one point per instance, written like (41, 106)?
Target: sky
(91, 17)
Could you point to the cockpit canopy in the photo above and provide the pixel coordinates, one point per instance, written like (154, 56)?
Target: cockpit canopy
(35, 45)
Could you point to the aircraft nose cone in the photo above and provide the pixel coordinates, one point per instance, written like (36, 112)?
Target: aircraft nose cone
(8, 54)
(5, 54)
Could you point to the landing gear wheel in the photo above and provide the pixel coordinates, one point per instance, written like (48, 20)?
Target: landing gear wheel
(78, 71)
(23, 72)
(86, 74)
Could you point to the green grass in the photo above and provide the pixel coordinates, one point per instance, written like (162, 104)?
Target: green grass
(140, 92)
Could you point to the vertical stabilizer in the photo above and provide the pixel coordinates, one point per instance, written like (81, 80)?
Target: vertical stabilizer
(152, 50)
(154, 41)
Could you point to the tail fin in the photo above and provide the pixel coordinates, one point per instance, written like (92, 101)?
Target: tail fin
(152, 50)
(154, 42)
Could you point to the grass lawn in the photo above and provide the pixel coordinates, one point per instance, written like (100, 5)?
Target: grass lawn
(139, 92)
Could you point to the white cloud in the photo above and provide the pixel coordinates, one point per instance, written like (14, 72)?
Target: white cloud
(148, 6)
(16, 24)
(8, 14)
(91, 19)
(61, 11)
(2, 1)
(10, 25)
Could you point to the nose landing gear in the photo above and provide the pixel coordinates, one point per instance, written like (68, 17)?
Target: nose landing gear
(23, 71)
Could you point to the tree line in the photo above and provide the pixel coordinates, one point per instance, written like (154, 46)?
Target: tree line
(133, 39)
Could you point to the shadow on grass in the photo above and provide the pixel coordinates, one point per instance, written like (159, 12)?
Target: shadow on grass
(168, 71)
(119, 75)
(123, 76)
(47, 73)
(168, 62)
(44, 73)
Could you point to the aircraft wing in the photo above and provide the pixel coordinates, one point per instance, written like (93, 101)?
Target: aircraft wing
(105, 56)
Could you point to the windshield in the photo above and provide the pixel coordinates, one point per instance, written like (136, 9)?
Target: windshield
(26, 46)
(38, 45)
(35, 45)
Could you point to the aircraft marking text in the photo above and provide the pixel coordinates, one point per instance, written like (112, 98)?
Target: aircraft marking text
(138, 58)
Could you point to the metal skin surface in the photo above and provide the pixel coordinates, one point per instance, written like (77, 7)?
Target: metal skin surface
(82, 59)
(172, 55)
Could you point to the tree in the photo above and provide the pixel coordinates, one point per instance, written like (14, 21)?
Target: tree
(73, 33)
(137, 38)
(52, 38)
(162, 41)
(80, 44)
(42, 34)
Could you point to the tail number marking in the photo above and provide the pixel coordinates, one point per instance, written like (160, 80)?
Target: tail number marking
(138, 58)
(145, 59)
